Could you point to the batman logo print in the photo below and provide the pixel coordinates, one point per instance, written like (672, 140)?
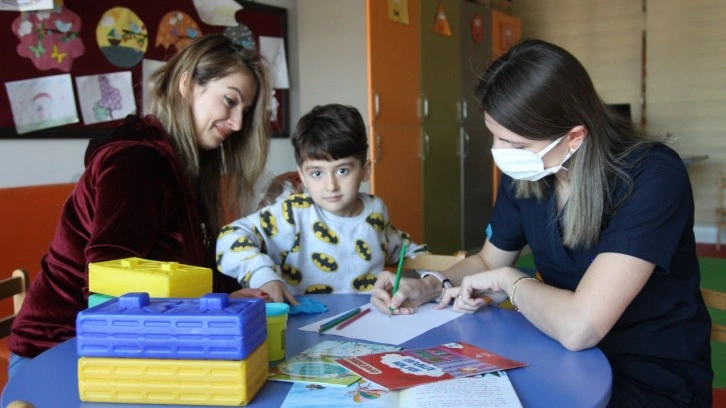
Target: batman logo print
(376, 221)
(318, 289)
(364, 283)
(325, 263)
(292, 275)
(242, 244)
(268, 223)
(363, 250)
(300, 201)
(226, 230)
(323, 233)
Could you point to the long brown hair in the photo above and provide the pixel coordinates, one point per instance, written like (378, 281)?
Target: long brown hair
(540, 91)
(242, 157)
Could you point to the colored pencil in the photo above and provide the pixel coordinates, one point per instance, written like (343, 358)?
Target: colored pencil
(338, 320)
(398, 275)
(352, 319)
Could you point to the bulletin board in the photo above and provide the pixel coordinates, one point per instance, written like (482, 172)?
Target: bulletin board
(260, 19)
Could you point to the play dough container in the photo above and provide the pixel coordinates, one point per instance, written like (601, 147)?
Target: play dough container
(276, 329)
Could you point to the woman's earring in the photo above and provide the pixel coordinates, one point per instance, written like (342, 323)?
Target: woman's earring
(572, 150)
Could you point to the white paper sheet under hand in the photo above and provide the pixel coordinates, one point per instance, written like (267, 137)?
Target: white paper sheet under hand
(396, 329)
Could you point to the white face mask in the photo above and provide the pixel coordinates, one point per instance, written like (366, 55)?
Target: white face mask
(522, 164)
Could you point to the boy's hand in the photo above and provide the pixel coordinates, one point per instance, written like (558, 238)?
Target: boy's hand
(411, 294)
(279, 292)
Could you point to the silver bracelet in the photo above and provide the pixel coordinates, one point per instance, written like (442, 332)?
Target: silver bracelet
(445, 283)
(514, 289)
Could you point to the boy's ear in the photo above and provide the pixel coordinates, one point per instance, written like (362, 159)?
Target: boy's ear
(300, 174)
(183, 84)
(366, 171)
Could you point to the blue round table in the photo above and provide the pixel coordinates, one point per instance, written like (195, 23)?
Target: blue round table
(554, 377)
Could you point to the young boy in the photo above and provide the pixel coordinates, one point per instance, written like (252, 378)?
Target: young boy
(332, 239)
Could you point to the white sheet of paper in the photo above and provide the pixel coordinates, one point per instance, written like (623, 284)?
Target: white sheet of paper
(148, 66)
(217, 12)
(396, 329)
(26, 5)
(105, 97)
(273, 49)
(42, 103)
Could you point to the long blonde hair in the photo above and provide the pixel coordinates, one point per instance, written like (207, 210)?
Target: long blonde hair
(242, 157)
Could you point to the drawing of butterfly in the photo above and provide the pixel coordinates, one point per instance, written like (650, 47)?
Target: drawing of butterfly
(62, 26)
(58, 55)
(37, 50)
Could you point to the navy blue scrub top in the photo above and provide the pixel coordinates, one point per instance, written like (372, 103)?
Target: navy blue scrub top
(662, 339)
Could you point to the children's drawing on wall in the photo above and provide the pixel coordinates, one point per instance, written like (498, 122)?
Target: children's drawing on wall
(398, 11)
(477, 28)
(217, 12)
(176, 30)
(105, 97)
(242, 35)
(441, 22)
(273, 49)
(42, 103)
(25, 5)
(49, 38)
(122, 37)
(148, 66)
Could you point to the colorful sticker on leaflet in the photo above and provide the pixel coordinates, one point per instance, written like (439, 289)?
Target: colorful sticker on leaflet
(42, 103)
(49, 38)
(105, 97)
(176, 30)
(122, 37)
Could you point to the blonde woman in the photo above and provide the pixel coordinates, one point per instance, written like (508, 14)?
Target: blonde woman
(153, 187)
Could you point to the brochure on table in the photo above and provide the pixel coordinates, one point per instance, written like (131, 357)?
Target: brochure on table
(407, 368)
(317, 364)
(487, 390)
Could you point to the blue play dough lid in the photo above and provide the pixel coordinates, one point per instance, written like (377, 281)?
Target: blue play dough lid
(277, 309)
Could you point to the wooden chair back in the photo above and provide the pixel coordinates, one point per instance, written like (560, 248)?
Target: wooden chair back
(16, 287)
(436, 263)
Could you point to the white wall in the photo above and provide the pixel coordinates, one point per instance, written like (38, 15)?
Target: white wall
(333, 61)
(32, 162)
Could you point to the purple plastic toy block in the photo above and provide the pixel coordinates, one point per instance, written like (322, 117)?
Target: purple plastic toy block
(212, 327)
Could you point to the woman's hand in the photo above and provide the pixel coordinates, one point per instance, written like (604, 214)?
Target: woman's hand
(475, 291)
(250, 293)
(411, 293)
(279, 292)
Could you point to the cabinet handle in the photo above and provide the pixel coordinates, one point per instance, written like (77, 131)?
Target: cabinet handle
(378, 148)
(464, 106)
(464, 152)
(424, 107)
(424, 152)
(376, 105)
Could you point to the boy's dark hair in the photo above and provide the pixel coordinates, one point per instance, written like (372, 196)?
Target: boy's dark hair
(330, 132)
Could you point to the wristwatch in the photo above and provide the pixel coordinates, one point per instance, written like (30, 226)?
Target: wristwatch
(445, 283)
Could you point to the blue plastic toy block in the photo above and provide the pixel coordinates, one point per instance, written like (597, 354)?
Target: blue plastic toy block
(212, 327)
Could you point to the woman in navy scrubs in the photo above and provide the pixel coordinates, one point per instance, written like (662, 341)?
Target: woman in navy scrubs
(608, 214)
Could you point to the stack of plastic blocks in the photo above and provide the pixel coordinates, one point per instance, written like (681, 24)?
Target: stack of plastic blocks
(205, 351)
(113, 278)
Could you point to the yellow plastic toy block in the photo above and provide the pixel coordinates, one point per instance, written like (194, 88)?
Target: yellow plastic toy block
(158, 279)
(178, 382)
